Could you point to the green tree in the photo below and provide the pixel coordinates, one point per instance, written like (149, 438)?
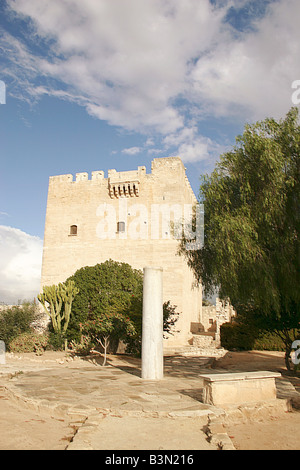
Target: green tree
(251, 232)
(170, 317)
(109, 288)
(17, 320)
(100, 330)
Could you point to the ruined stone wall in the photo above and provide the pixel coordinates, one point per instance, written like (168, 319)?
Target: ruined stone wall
(209, 318)
(215, 315)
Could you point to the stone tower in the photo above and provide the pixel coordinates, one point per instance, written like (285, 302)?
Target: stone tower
(126, 217)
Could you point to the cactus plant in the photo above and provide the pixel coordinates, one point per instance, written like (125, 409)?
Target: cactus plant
(57, 302)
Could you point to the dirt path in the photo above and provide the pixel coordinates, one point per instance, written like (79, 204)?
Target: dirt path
(274, 434)
(24, 429)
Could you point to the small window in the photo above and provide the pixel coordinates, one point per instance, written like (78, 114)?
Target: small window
(73, 230)
(121, 227)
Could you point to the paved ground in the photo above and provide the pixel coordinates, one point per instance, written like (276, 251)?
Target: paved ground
(49, 402)
(272, 433)
(25, 429)
(99, 403)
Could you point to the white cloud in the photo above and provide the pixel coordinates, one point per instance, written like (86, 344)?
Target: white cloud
(125, 61)
(191, 146)
(132, 150)
(20, 265)
(152, 66)
(196, 150)
(253, 74)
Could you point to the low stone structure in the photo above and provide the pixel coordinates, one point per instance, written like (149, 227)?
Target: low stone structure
(239, 387)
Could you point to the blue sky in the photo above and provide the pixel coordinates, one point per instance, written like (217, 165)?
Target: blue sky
(105, 84)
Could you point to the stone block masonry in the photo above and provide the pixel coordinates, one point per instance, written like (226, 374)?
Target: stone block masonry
(131, 217)
(239, 387)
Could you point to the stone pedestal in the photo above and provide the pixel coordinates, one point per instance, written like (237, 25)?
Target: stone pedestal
(239, 387)
(152, 334)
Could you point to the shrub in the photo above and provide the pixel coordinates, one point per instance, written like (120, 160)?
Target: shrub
(268, 341)
(83, 347)
(106, 327)
(29, 342)
(246, 337)
(112, 289)
(56, 341)
(17, 320)
(107, 288)
(236, 336)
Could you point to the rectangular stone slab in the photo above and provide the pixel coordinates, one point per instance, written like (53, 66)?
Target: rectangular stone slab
(239, 387)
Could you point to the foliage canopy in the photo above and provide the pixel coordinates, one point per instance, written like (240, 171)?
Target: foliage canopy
(17, 320)
(109, 288)
(252, 216)
(109, 305)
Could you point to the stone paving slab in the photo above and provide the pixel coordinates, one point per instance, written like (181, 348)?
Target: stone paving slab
(117, 397)
(95, 388)
(141, 433)
(98, 396)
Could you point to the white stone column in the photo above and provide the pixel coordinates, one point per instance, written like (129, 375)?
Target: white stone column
(2, 352)
(152, 333)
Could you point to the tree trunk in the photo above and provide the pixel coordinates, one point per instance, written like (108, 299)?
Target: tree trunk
(106, 344)
(287, 358)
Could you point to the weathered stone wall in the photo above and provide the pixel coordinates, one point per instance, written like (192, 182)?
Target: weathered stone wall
(215, 315)
(81, 229)
(209, 318)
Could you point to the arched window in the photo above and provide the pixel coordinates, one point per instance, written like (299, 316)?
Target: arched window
(73, 230)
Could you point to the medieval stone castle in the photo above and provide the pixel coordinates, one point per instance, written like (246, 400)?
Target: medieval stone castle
(127, 217)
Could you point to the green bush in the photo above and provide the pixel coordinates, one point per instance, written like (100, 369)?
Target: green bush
(267, 341)
(235, 336)
(29, 342)
(246, 337)
(170, 317)
(83, 347)
(107, 288)
(56, 341)
(112, 288)
(17, 320)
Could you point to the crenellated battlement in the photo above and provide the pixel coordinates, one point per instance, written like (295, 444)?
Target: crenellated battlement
(118, 177)
(173, 163)
(69, 178)
(129, 183)
(113, 176)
